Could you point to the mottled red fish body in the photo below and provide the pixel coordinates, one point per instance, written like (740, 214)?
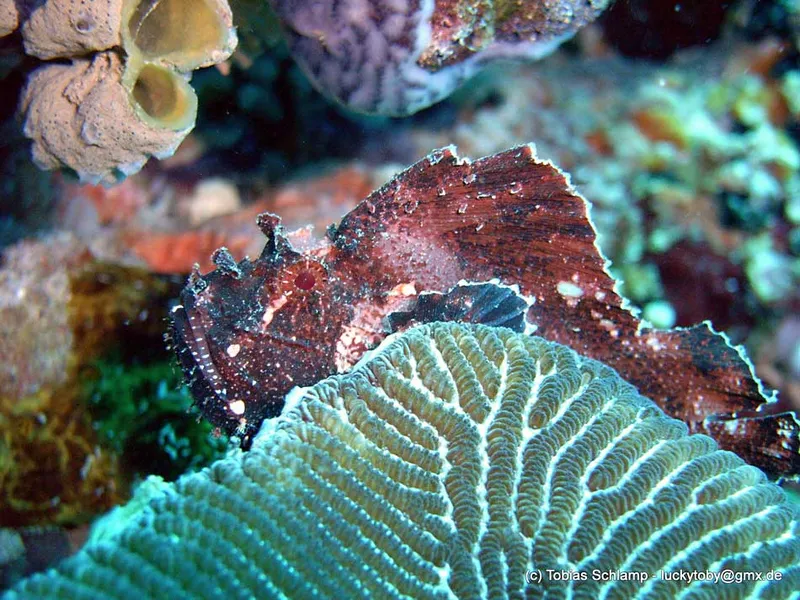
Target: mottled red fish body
(504, 240)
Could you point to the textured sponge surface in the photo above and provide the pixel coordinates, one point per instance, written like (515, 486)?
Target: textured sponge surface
(459, 461)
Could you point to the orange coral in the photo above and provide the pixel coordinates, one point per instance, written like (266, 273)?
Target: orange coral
(177, 252)
(660, 127)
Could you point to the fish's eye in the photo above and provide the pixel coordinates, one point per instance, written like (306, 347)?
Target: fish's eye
(305, 280)
(302, 277)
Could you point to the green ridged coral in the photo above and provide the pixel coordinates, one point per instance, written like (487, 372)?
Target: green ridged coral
(458, 461)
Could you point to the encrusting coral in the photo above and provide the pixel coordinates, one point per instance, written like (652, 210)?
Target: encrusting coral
(456, 462)
(104, 114)
(397, 58)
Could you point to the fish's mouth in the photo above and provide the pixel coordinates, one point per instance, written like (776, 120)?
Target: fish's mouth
(238, 413)
(194, 357)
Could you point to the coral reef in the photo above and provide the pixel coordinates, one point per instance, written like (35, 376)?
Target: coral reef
(691, 165)
(398, 58)
(103, 114)
(60, 310)
(459, 461)
(250, 331)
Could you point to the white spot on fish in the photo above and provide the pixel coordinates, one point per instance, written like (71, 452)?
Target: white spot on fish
(403, 289)
(272, 309)
(569, 289)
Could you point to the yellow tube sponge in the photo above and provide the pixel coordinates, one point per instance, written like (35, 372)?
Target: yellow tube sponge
(161, 98)
(185, 34)
(83, 117)
(64, 28)
(9, 17)
(125, 95)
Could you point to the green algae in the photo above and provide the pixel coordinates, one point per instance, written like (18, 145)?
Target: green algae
(142, 412)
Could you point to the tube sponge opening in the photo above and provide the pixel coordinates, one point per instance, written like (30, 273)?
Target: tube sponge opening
(184, 33)
(83, 116)
(165, 99)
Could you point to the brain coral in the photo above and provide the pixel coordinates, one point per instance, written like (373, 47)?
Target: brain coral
(397, 57)
(458, 461)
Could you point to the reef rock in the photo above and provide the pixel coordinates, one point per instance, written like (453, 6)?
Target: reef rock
(457, 462)
(397, 58)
